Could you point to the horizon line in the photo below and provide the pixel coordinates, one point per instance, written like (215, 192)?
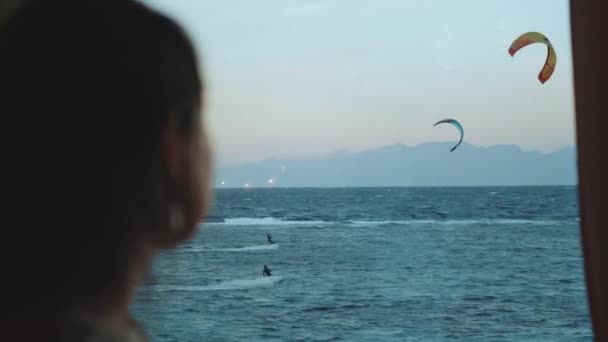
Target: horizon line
(391, 186)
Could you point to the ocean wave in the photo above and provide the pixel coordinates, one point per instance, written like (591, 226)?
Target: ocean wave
(238, 284)
(236, 249)
(271, 221)
(462, 222)
(265, 221)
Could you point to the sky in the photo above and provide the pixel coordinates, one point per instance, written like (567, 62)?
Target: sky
(304, 78)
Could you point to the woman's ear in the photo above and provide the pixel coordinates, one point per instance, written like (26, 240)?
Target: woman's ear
(173, 151)
(186, 156)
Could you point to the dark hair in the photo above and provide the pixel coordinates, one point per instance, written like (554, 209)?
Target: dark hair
(86, 88)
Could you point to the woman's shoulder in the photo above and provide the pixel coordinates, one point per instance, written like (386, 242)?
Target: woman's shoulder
(90, 331)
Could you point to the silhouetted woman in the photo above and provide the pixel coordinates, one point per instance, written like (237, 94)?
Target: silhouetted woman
(105, 162)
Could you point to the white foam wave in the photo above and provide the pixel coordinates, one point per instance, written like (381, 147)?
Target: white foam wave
(460, 222)
(238, 284)
(265, 221)
(237, 249)
(274, 222)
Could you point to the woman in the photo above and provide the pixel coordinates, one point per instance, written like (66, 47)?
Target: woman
(106, 162)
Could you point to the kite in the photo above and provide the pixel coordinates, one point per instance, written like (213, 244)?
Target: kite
(531, 38)
(457, 125)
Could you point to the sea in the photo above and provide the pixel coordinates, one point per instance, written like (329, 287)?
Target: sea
(375, 264)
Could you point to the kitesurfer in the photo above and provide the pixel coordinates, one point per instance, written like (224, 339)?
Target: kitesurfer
(269, 238)
(267, 272)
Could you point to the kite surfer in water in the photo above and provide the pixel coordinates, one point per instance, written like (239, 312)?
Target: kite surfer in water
(267, 272)
(269, 238)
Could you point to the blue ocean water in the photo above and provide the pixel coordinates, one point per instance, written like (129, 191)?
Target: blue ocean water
(375, 264)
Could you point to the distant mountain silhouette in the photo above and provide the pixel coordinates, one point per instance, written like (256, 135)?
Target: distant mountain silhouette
(428, 164)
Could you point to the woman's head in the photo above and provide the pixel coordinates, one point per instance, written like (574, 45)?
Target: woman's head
(107, 151)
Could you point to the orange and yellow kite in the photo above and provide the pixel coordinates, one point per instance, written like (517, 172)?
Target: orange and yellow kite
(536, 37)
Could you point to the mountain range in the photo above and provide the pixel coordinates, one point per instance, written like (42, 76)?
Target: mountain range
(427, 164)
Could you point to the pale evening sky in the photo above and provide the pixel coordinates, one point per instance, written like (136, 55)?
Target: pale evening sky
(298, 78)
